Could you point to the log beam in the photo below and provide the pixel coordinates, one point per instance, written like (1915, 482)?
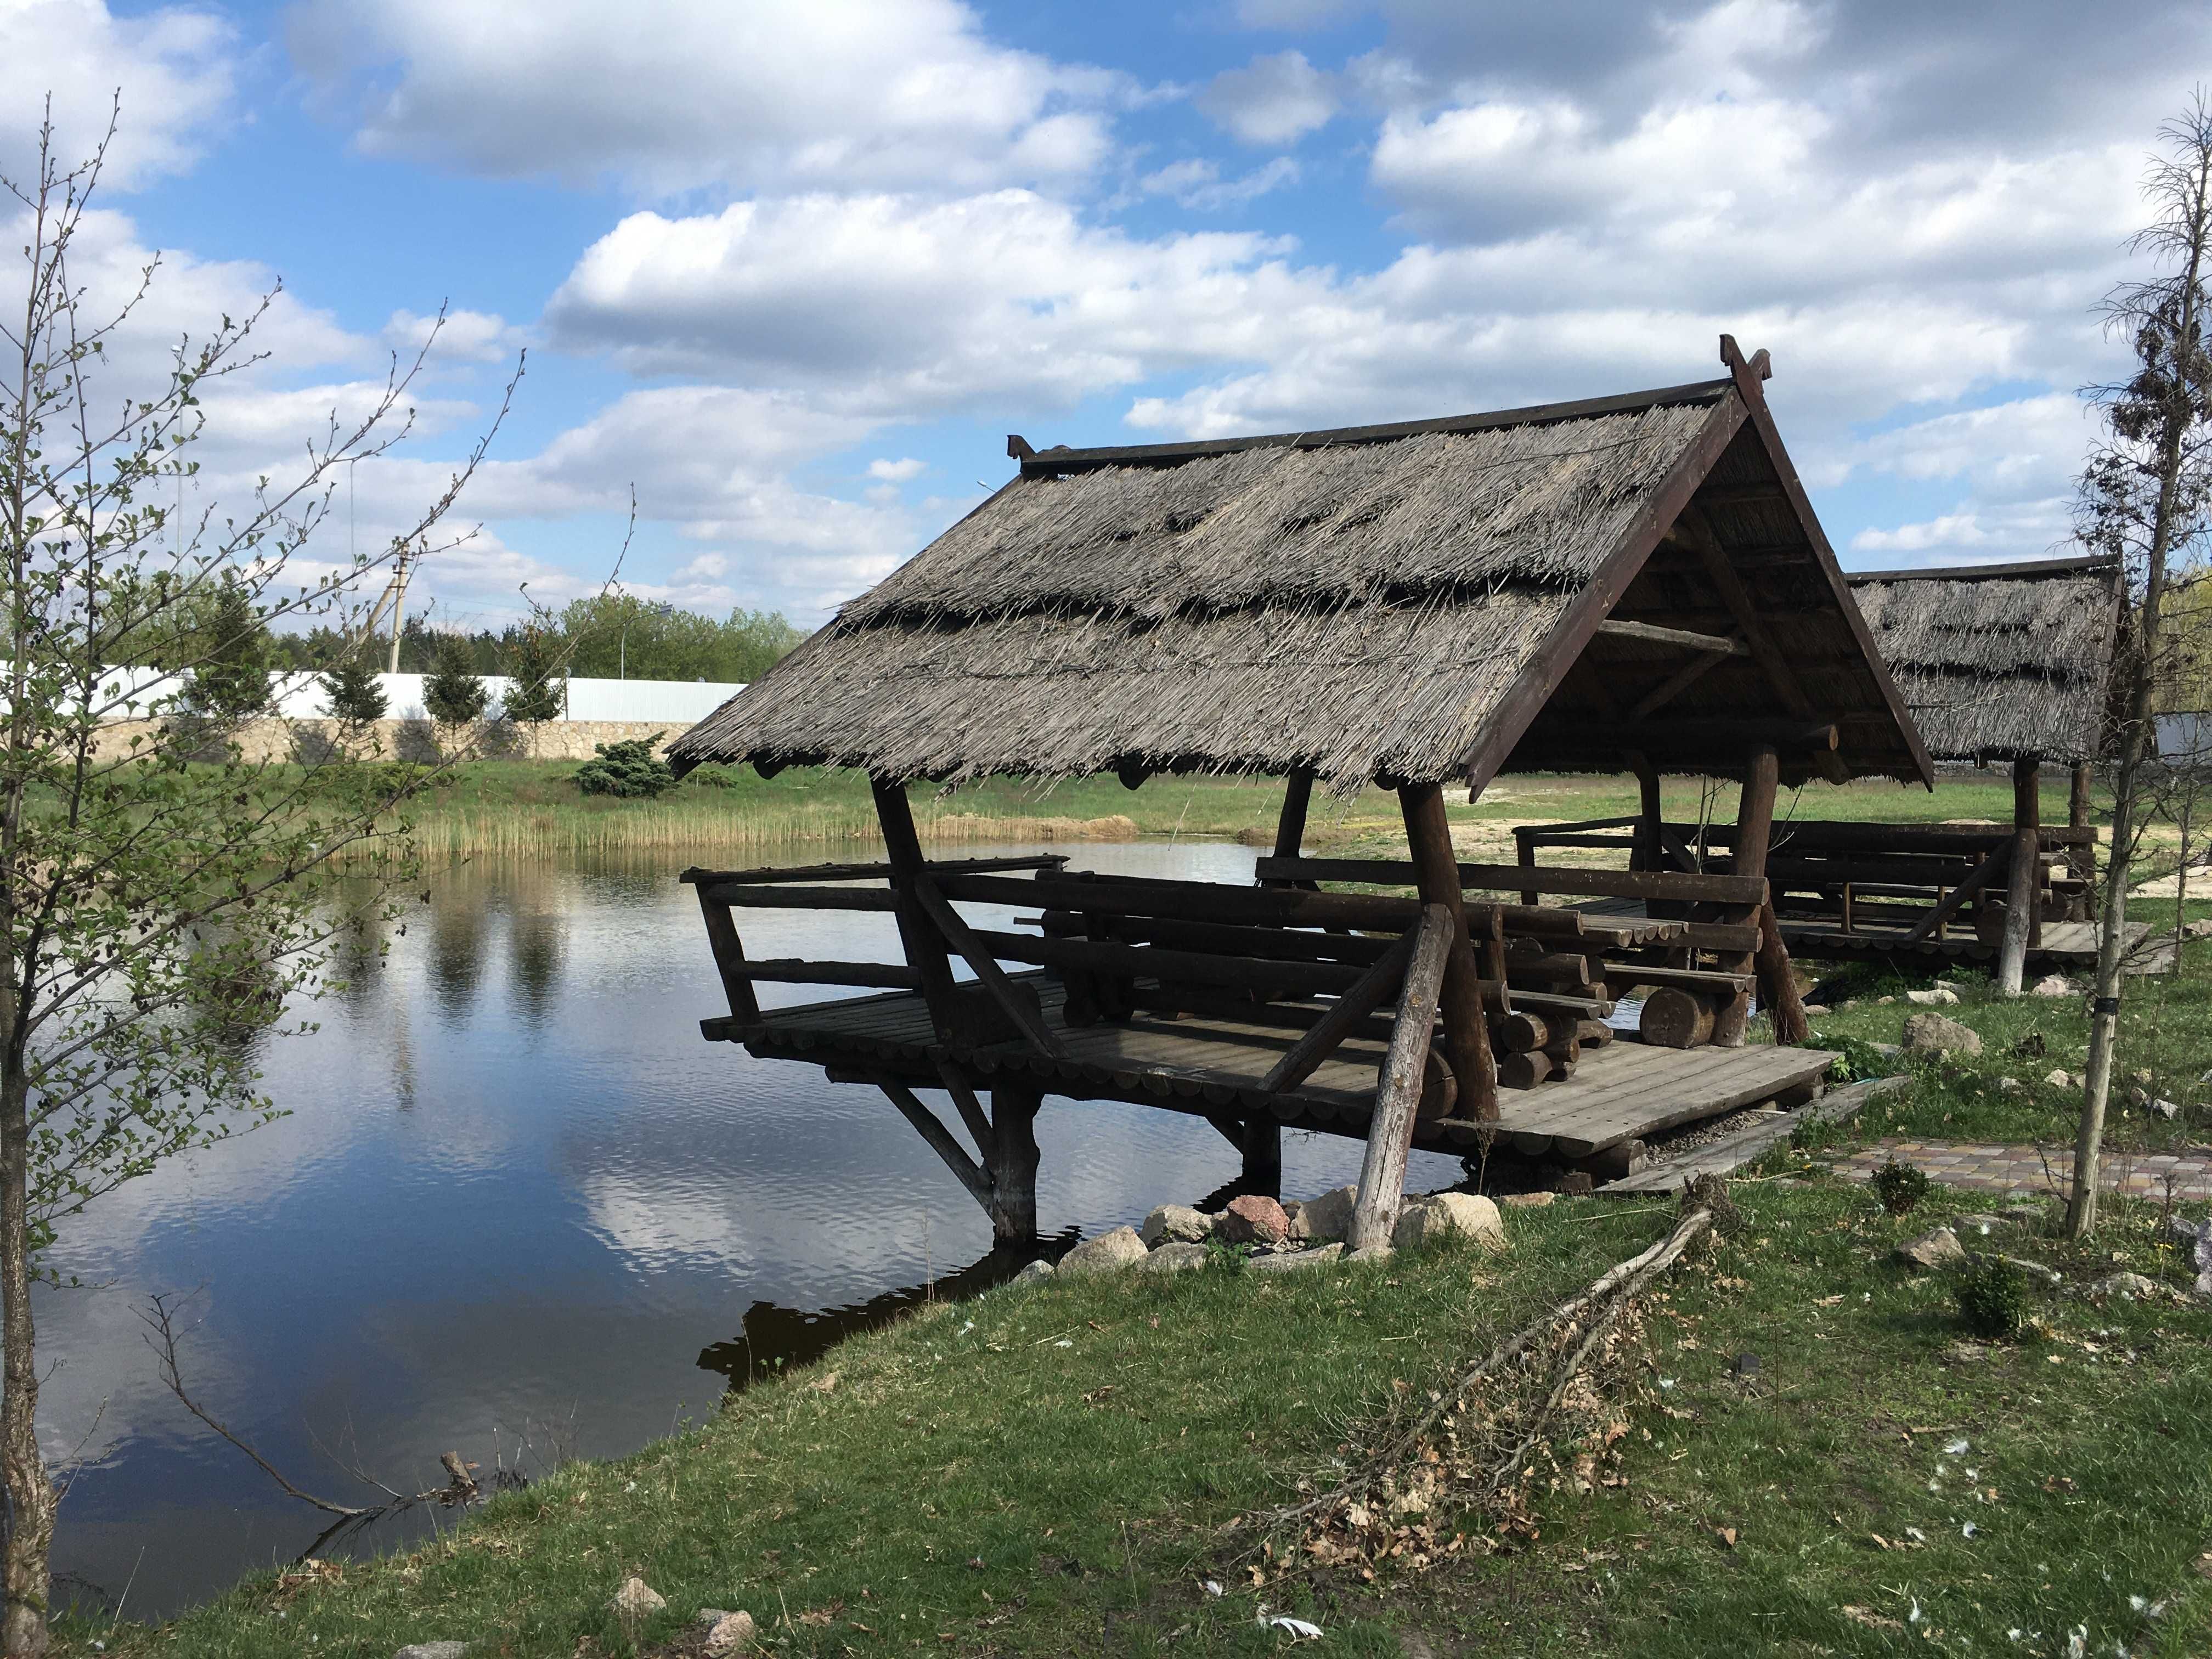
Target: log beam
(1754, 827)
(1437, 877)
(1398, 1093)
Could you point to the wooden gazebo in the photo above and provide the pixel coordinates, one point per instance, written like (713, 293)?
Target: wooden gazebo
(1630, 580)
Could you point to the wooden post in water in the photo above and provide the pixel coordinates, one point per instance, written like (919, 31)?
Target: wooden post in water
(1291, 827)
(1012, 1159)
(1261, 1144)
(1754, 827)
(1398, 1090)
(1436, 873)
(2022, 888)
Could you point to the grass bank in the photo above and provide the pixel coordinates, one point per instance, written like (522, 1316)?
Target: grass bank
(1046, 1472)
(1806, 1456)
(533, 809)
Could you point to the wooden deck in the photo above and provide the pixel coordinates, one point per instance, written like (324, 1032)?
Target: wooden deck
(1213, 1067)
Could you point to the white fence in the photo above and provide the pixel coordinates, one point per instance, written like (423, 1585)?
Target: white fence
(300, 696)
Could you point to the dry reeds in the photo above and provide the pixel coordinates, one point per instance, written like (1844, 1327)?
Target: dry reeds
(1360, 609)
(1999, 667)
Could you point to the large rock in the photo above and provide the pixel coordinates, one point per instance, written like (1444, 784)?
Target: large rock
(1176, 1258)
(1938, 1248)
(1106, 1254)
(1035, 1274)
(1253, 1219)
(1941, 996)
(2132, 1287)
(636, 1598)
(1326, 1218)
(1450, 1215)
(2052, 984)
(1286, 1261)
(1175, 1223)
(431, 1651)
(1932, 1034)
(732, 1633)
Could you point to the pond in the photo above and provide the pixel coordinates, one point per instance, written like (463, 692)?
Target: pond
(520, 1210)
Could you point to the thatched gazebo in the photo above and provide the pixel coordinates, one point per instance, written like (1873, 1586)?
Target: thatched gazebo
(1999, 663)
(1626, 581)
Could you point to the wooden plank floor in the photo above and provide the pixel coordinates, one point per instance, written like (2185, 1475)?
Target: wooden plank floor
(1619, 1092)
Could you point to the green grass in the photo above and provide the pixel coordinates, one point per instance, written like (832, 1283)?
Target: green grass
(2165, 1046)
(1046, 1472)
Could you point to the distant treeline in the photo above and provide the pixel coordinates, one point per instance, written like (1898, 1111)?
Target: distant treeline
(612, 636)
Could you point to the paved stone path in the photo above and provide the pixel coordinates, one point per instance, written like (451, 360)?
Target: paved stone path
(2022, 1168)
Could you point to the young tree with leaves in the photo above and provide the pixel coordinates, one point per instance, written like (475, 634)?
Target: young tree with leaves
(537, 668)
(2144, 498)
(150, 909)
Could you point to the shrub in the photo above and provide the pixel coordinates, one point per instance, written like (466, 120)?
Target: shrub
(354, 692)
(715, 775)
(1992, 1298)
(630, 770)
(1900, 1187)
(455, 693)
(1856, 1057)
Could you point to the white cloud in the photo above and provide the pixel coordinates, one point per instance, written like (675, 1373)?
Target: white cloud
(1270, 100)
(900, 471)
(864, 92)
(463, 337)
(1197, 183)
(873, 305)
(707, 567)
(172, 68)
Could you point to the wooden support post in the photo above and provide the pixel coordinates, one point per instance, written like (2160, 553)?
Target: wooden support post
(1291, 827)
(1012, 1162)
(1262, 1145)
(2081, 861)
(1777, 981)
(1398, 1090)
(1647, 854)
(1755, 826)
(729, 959)
(1436, 874)
(925, 946)
(2022, 886)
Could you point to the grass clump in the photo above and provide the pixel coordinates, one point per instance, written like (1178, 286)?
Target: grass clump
(1902, 1187)
(1992, 1298)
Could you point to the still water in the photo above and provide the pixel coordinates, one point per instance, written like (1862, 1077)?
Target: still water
(519, 1208)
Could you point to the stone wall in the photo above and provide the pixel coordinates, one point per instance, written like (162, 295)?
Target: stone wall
(551, 740)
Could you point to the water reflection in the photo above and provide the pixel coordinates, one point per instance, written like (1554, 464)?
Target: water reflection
(516, 1189)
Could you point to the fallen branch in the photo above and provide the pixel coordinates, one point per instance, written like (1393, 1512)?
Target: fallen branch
(461, 1488)
(1576, 1328)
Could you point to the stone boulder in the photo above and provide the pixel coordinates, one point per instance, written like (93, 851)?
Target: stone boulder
(2131, 1287)
(1450, 1215)
(1175, 1223)
(734, 1633)
(1528, 1201)
(1035, 1274)
(1176, 1259)
(1941, 996)
(1253, 1219)
(2052, 984)
(1932, 1034)
(636, 1598)
(1109, 1253)
(1286, 1260)
(431, 1651)
(1326, 1218)
(1937, 1249)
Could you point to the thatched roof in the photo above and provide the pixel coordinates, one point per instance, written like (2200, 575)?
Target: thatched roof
(2000, 662)
(1369, 603)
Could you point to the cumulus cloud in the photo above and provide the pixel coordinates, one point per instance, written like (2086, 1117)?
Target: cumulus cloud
(900, 471)
(172, 68)
(462, 336)
(865, 93)
(1276, 99)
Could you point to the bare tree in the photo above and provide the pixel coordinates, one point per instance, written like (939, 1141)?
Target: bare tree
(2144, 497)
(160, 910)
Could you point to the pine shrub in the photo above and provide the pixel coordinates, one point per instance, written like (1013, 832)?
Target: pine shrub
(630, 770)
(1992, 1298)
(1900, 1187)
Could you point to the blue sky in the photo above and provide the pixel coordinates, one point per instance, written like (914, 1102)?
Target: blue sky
(793, 271)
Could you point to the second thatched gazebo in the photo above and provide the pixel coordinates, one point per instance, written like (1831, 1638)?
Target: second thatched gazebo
(1635, 581)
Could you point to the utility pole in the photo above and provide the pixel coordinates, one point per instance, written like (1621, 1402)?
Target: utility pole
(395, 598)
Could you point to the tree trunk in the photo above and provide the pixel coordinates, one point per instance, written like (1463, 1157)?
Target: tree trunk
(30, 1494)
(1755, 826)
